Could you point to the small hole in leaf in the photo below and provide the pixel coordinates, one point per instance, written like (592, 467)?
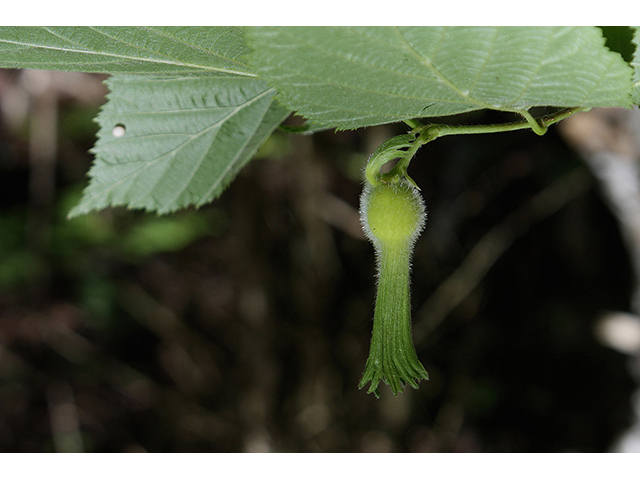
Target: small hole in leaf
(118, 131)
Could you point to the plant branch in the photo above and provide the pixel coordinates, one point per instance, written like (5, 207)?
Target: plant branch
(394, 147)
(539, 126)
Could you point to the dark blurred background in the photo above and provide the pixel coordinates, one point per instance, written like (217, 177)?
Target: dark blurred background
(244, 326)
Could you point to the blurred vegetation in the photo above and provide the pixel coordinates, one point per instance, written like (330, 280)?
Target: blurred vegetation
(244, 326)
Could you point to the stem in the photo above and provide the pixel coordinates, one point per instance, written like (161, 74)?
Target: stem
(538, 128)
(389, 150)
(392, 357)
(431, 132)
(414, 124)
(394, 147)
(400, 168)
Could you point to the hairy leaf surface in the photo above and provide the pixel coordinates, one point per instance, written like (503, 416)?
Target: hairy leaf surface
(635, 63)
(170, 142)
(350, 77)
(124, 49)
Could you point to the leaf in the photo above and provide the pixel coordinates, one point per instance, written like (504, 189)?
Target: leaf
(184, 139)
(350, 77)
(124, 49)
(635, 63)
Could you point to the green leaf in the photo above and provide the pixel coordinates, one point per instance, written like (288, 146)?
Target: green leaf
(183, 139)
(124, 49)
(350, 77)
(635, 63)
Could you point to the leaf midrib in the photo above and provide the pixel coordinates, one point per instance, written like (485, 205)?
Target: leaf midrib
(87, 51)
